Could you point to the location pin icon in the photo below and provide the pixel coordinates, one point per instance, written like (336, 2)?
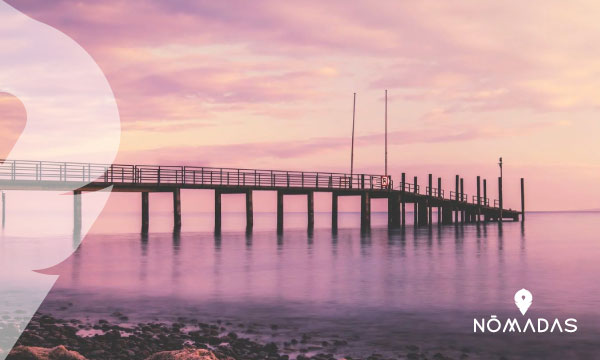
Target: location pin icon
(523, 300)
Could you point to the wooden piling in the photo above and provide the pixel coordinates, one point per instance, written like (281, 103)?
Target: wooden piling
(422, 210)
(390, 210)
(500, 196)
(439, 194)
(365, 210)
(485, 204)
(430, 213)
(478, 214)
(77, 213)
(396, 218)
(145, 212)
(310, 205)
(279, 211)
(403, 200)
(446, 214)
(217, 211)
(334, 210)
(249, 211)
(456, 195)
(462, 192)
(522, 199)
(177, 210)
(393, 210)
(416, 205)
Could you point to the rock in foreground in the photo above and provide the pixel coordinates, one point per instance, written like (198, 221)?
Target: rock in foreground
(185, 354)
(38, 353)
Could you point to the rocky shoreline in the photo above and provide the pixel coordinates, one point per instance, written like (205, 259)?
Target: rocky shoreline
(115, 339)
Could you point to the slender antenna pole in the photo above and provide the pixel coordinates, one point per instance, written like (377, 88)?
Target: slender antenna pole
(352, 150)
(386, 157)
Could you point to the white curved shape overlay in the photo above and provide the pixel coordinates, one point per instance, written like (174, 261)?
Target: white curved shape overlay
(72, 115)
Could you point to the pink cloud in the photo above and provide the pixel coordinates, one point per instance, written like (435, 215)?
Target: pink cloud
(276, 76)
(244, 153)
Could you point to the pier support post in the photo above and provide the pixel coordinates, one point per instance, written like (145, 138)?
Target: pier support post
(500, 197)
(403, 200)
(430, 213)
(249, 211)
(439, 193)
(462, 195)
(217, 211)
(478, 213)
(365, 211)
(3, 209)
(522, 200)
(145, 212)
(456, 195)
(485, 204)
(394, 210)
(310, 206)
(77, 213)
(279, 211)
(177, 210)
(416, 204)
(422, 210)
(334, 210)
(447, 214)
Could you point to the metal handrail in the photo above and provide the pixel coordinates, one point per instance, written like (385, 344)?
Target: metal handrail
(408, 187)
(482, 201)
(194, 175)
(435, 192)
(458, 196)
(29, 170)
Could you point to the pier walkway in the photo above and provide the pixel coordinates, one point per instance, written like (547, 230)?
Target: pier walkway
(452, 206)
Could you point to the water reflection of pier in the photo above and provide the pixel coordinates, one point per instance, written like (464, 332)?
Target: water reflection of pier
(390, 263)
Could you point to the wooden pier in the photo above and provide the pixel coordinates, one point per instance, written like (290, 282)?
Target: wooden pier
(452, 207)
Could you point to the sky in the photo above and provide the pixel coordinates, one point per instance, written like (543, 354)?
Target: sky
(269, 84)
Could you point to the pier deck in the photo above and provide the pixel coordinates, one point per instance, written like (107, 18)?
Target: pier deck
(452, 206)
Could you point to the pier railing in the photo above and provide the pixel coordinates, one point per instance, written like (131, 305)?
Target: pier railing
(483, 201)
(435, 192)
(459, 196)
(26, 170)
(42, 171)
(408, 187)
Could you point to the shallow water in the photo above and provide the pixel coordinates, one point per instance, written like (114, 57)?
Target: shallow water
(382, 290)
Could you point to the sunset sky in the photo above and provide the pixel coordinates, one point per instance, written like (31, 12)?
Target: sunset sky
(269, 84)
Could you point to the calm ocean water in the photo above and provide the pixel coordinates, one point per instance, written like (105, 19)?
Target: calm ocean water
(382, 290)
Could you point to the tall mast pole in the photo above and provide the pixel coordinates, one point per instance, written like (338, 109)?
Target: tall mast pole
(386, 139)
(352, 149)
